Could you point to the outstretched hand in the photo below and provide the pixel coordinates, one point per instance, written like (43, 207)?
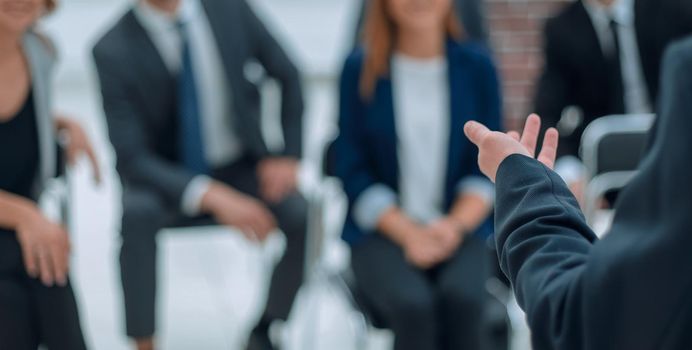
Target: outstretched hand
(494, 147)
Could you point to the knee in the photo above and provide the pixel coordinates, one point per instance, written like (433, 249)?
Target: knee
(12, 294)
(143, 216)
(469, 300)
(413, 313)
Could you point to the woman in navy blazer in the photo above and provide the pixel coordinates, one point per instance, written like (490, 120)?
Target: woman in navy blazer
(418, 204)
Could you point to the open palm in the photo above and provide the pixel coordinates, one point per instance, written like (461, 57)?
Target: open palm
(494, 147)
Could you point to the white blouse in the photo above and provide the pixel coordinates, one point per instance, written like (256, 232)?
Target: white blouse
(422, 109)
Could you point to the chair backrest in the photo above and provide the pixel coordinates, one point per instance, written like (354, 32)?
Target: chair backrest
(615, 143)
(611, 149)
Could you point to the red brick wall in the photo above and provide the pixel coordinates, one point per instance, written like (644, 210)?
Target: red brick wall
(516, 35)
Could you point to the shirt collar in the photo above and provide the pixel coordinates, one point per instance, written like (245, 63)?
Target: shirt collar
(622, 11)
(158, 21)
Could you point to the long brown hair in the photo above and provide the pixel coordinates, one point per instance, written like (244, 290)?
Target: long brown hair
(379, 36)
(51, 5)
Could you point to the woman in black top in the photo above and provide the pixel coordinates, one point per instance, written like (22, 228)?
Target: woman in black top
(37, 305)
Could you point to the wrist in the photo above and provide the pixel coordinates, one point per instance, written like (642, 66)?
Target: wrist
(459, 226)
(409, 234)
(26, 213)
(212, 198)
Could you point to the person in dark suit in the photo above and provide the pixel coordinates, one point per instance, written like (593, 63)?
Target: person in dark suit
(37, 303)
(630, 290)
(471, 12)
(603, 57)
(417, 202)
(183, 112)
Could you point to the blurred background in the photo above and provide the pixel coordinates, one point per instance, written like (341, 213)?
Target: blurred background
(222, 273)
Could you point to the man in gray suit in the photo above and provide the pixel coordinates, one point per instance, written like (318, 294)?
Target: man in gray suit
(183, 112)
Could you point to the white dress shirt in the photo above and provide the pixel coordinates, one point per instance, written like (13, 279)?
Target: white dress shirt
(421, 97)
(221, 144)
(636, 96)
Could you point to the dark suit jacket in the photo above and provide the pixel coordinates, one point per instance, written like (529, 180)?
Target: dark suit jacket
(366, 149)
(633, 289)
(576, 70)
(139, 94)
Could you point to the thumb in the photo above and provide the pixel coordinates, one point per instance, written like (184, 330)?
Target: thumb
(476, 132)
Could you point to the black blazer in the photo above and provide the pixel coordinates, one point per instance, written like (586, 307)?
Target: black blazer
(576, 71)
(633, 289)
(139, 94)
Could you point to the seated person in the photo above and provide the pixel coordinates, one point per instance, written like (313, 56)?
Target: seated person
(184, 119)
(37, 304)
(603, 58)
(417, 202)
(471, 13)
(630, 290)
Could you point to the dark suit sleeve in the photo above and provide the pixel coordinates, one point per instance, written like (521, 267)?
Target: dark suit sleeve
(544, 246)
(277, 64)
(683, 12)
(135, 160)
(552, 92)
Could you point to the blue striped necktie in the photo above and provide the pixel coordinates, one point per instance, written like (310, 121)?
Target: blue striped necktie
(190, 143)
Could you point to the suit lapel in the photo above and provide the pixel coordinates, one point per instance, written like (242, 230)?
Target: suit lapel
(645, 37)
(460, 91)
(227, 36)
(590, 37)
(157, 82)
(385, 114)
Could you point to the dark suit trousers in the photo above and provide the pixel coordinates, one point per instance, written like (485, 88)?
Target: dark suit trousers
(32, 314)
(144, 214)
(437, 309)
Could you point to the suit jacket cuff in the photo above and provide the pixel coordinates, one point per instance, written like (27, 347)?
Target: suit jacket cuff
(477, 185)
(570, 168)
(371, 204)
(191, 202)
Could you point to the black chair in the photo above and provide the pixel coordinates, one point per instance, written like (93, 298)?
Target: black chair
(612, 148)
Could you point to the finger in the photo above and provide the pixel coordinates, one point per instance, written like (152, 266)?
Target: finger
(29, 257)
(58, 259)
(269, 223)
(529, 137)
(94, 164)
(549, 149)
(45, 268)
(71, 153)
(247, 232)
(273, 194)
(514, 135)
(476, 132)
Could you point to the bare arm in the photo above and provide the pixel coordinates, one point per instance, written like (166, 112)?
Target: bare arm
(14, 209)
